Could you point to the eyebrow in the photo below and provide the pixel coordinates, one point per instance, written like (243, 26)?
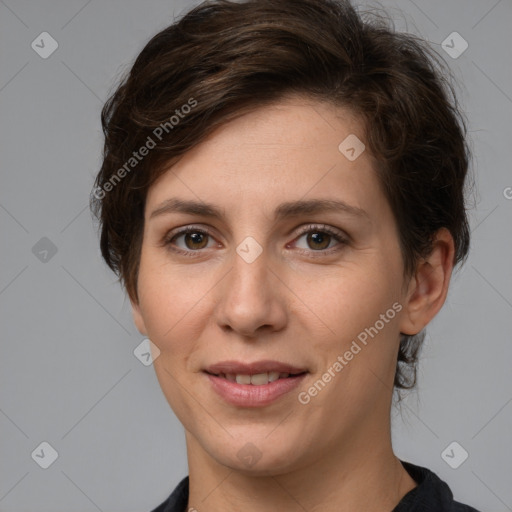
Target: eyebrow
(283, 211)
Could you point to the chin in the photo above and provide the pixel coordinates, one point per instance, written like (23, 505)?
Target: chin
(261, 457)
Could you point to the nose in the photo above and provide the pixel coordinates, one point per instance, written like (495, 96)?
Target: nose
(251, 300)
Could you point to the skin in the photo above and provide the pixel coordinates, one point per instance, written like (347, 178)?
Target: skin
(302, 301)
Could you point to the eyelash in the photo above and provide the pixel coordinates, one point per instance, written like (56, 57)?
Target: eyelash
(314, 228)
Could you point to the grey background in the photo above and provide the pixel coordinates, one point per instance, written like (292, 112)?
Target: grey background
(68, 374)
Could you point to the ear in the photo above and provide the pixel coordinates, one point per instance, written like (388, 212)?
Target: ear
(428, 286)
(138, 318)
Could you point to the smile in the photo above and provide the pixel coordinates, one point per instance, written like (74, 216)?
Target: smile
(259, 379)
(256, 390)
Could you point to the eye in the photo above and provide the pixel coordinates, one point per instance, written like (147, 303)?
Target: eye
(320, 239)
(193, 239)
(190, 240)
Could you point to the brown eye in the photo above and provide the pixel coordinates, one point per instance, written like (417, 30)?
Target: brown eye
(318, 240)
(195, 240)
(189, 240)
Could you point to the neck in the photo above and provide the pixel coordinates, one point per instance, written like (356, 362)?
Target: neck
(358, 476)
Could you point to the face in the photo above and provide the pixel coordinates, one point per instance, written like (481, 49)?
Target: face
(260, 277)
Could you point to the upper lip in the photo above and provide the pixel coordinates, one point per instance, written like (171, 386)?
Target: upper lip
(238, 367)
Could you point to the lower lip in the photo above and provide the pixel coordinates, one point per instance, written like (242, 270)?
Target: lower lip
(249, 395)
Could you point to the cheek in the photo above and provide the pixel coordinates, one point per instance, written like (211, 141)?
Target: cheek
(350, 298)
(171, 303)
(356, 305)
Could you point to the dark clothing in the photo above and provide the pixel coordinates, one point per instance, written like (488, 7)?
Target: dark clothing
(431, 495)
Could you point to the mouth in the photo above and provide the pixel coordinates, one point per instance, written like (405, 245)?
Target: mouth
(254, 384)
(257, 379)
(249, 385)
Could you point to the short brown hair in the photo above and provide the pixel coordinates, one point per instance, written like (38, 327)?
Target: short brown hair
(223, 59)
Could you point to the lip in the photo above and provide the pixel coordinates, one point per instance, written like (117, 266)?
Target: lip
(253, 368)
(249, 395)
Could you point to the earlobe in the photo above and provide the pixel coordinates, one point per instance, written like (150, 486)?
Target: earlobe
(138, 319)
(428, 287)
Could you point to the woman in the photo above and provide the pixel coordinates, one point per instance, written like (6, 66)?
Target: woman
(282, 196)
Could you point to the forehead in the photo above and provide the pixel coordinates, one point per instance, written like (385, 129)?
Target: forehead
(294, 149)
(293, 126)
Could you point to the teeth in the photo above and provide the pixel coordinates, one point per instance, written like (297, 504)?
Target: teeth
(272, 376)
(243, 379)
(259, 379)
